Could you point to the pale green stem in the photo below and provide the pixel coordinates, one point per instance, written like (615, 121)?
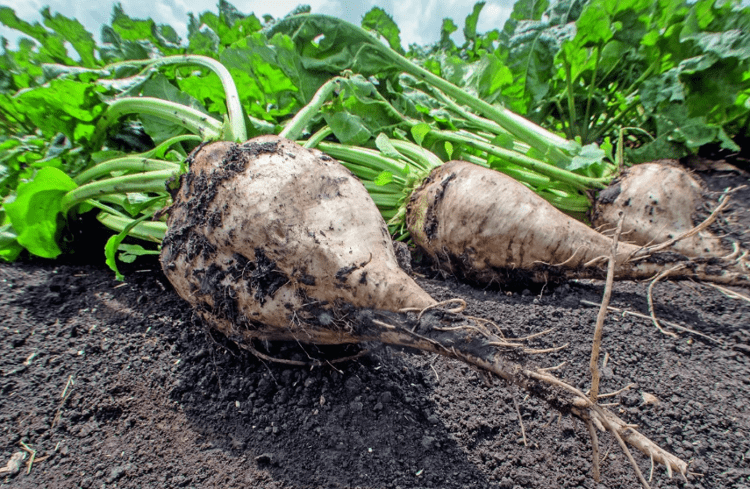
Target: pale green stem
(235, 130)
(319, 136)
(191, 119)
(152, 181)
(294, 128)
(571, 99)
(579, 181)
(545, 141)
(425, 159)
(586, 124)
(368, 158)
(126, 163)
(147, 230)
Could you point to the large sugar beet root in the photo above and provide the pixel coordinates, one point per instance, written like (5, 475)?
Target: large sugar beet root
(659, 201)
(487, 227)
(273, 241)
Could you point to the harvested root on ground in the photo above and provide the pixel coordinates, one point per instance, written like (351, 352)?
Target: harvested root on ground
(270, 241)
(660, 201)
(487, 227)
(267, 234)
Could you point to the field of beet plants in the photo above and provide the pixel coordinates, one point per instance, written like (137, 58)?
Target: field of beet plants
(292, 253)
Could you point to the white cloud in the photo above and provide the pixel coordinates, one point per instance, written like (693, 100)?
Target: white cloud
(494, 15)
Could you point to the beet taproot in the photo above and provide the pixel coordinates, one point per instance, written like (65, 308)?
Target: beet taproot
(267, 235)
(660, 201)
(483, 225)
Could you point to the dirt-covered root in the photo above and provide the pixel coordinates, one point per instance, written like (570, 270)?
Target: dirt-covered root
(270, 236)
(484, 226)
(660, 201)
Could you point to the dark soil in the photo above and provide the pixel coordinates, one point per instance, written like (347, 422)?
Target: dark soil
(118, 385)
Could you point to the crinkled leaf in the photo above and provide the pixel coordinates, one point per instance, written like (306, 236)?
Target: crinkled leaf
(529, 9)
(531, 51)
(267, 92)
(470, 26)
(203, 40)
(73, 31)
(658, 149)
(34, 211)
(137, 30)
(114, 48)
(53, 44)
(348, 128)
(61, 106)
(332, 45)
(357, 114)
(382, 23)
(159, 86)
(588, 161)
(594, 27)
(383, 178)
(9, 247)
(419, 131)
(448, 28)
(224, 29)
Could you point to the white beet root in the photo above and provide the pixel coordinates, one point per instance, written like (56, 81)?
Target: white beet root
(485, 226)
(659, 201)
(267, 235)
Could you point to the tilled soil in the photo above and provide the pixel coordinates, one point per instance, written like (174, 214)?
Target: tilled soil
(118, 385)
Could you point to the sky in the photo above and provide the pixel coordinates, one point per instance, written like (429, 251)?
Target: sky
(419, 21)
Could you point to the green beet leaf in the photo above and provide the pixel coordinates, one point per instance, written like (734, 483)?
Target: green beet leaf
(159, 86)
(60, 105)
(357, 114)
(384, 178)
(34, 211)
(129, 252)
(73, 31)
(470, 26)
(382, 23)
(225, 29)
(52, 44)
(9, 247)
(137, 31)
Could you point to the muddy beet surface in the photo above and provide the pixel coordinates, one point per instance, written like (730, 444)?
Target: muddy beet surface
(118, 385)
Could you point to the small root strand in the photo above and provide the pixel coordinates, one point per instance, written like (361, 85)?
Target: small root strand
(552, 369)
(599, 327)
(531, 351)
(650, 298)
(644, 316)
(535, 335)
(625, 449)
(594, 450)
(618, 392)
(520, 420)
